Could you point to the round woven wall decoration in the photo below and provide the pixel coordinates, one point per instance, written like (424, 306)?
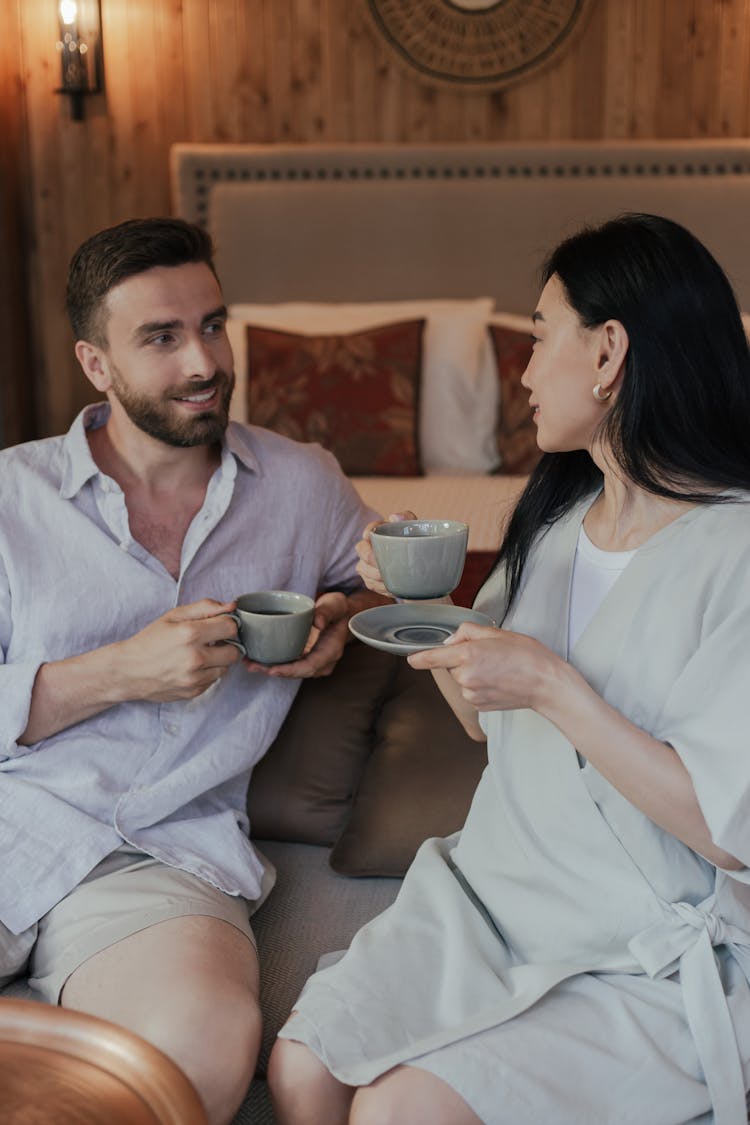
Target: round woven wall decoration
(476, 44)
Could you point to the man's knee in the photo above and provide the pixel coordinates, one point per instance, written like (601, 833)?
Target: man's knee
(189, 986)
(211, 1030)
(210, 1024)
(216, 1043)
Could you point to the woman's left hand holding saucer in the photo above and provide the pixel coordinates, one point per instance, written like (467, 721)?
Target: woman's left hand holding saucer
(495, 669)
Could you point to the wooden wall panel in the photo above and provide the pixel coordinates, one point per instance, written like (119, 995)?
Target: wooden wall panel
(645, 57)
(16, 389)
(706, 60)
(731, 70)
(315, 70)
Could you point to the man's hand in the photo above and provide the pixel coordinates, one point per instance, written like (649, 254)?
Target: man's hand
(175, 657)
(180, 654)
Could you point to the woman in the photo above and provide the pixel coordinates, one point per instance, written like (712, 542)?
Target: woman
(580, 952)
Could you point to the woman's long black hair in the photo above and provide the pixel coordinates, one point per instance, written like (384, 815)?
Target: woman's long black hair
(680, 425)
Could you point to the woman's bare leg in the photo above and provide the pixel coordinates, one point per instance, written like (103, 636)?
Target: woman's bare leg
(303, 1090)
(409, 1094)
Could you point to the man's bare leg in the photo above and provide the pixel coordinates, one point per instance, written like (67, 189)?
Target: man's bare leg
(188, 985)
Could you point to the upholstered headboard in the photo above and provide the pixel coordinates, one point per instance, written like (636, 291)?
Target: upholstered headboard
(389, 222)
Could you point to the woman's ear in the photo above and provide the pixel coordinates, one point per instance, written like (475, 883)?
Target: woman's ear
(94, 364)
(613, 349)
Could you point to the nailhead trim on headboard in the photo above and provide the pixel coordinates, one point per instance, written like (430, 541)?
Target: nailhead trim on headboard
(197, 168)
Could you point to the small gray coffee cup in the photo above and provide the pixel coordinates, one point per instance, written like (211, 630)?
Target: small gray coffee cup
(273, 625)
(420, 558)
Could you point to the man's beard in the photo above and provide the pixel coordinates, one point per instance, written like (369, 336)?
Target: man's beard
(155, 418)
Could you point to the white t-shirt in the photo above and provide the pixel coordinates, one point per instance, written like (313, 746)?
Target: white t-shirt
(594, 574)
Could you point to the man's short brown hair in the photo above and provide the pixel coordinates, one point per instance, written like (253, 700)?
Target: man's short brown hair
(122, 251)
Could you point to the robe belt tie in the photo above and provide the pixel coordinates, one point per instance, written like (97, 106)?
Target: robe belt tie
(684, 940)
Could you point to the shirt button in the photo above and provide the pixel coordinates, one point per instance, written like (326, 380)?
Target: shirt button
(124, 546)
(171, 728)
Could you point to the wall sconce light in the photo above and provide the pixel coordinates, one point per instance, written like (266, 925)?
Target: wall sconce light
(80, 50)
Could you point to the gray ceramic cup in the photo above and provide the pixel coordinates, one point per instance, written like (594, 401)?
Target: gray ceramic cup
(420, 558)
(273, 625)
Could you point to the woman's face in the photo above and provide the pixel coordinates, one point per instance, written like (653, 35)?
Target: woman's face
(562, 372)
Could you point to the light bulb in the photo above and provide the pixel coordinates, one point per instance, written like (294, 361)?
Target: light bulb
(68, 11)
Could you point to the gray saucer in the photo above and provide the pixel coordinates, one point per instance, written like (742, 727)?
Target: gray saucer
(402, 629)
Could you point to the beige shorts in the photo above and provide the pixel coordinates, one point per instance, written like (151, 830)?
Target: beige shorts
(125, 893)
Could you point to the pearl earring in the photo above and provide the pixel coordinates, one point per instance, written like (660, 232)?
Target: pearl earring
(599, 394)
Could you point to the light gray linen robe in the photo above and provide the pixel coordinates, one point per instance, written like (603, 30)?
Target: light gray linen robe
(559, 891)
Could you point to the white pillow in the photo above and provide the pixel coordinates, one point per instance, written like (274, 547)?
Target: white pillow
(459, 391)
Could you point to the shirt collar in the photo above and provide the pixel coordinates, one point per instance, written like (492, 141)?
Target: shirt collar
(238, 440)
(80, 466)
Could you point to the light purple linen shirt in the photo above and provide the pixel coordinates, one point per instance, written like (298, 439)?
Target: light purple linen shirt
(168, 778)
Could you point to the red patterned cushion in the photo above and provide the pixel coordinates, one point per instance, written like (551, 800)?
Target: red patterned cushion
(516, 432)
(356, 394)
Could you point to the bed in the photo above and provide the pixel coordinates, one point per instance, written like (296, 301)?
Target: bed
(379, 295)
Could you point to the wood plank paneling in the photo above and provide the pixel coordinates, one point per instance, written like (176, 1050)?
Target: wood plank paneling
(646, 64)
(587, 119)
(312, 70)
(279, 48)
(731, 69)
(169, 46)
(706, 40)
(362, 59)
(309, 77)
(253, 87)
(675, 90)
(618, 62)
(16, 389)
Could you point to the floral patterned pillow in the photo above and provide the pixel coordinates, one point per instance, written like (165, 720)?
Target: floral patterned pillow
(357, 394)
(516, 432)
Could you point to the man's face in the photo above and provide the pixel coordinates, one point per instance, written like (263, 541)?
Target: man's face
(168, 360)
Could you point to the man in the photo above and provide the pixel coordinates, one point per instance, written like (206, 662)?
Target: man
(128, 731)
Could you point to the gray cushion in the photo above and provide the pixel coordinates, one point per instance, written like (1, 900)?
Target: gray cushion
(310, 911)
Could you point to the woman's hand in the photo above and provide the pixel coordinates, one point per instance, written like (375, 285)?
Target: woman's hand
(496, 670)
(367, 568)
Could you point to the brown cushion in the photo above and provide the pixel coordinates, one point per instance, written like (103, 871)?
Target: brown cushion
(302, 790)
(358, 394)
(516, 431)
(418, 781)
